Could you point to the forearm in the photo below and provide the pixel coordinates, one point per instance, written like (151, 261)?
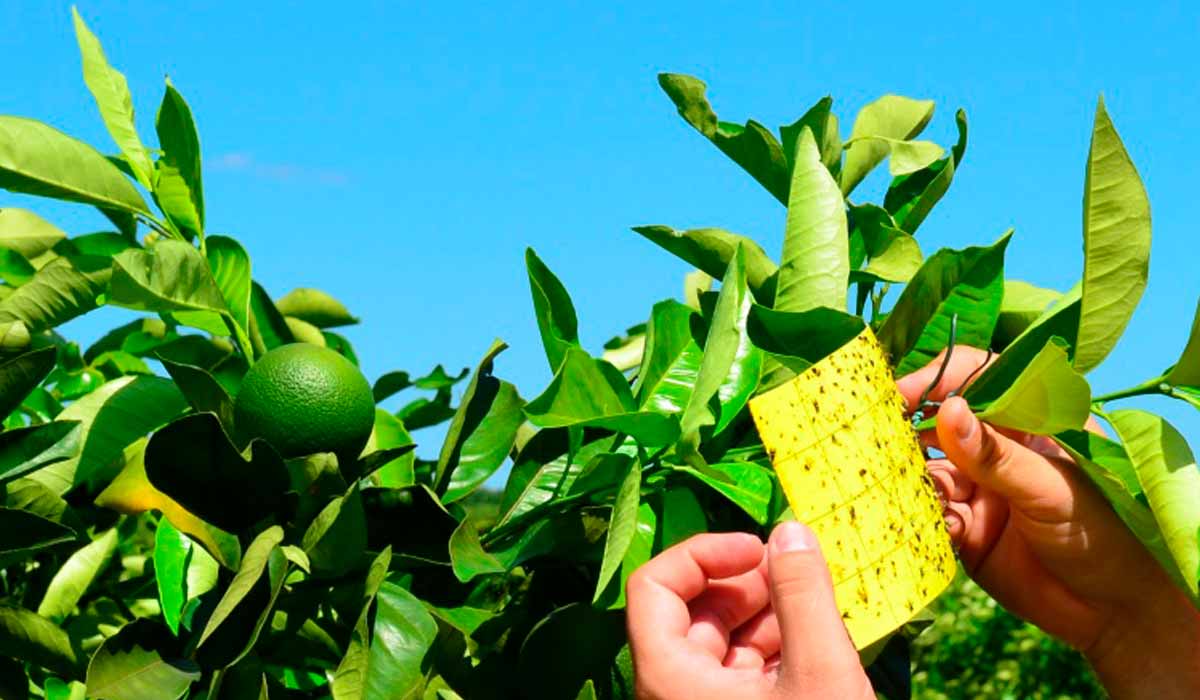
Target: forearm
(1153, 652)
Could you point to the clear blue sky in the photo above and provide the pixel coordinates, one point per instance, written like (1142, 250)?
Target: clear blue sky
(402, 155)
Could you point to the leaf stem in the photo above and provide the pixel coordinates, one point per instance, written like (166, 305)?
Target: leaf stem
(1153, 386)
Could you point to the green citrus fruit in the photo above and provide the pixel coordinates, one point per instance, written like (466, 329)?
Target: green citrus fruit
(303, 399)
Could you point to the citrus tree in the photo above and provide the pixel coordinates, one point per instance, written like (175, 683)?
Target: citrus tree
(208, 502)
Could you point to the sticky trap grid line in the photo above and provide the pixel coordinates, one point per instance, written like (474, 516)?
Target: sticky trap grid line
(839, 429)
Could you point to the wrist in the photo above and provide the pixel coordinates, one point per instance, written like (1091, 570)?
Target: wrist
(1151, 651)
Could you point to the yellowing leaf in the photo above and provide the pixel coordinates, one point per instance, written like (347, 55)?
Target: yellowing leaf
(132, 493)
(853, 471)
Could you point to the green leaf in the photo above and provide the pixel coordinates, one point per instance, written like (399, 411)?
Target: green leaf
(182, 572)
(1166, 470)
(29, 234)
(968, 282)
(489, 441)
(203, 392)
(268, 329)
(749, 487)
(905, 157)
(481, 393)
(181, 159)
(1103, 460)
(711, 249)
(1048, 397)
(256, 561)
(555, 312)
(19, 376)
(111, 93)
(140, 662)
(680, 516)
(171, 276)
(75, 576)
(349, 679)
(389, 433)
(1061, 319)
(315, 307)
(40, 160)
(337, 537)
(889, 117)
(622, 526)
(816, 256)
(824, 125)
(551, 666)
(544, 468)
(581, 395)
(641, 548)
(15, 270)
(58, 292)
(24, 450)
(193, 461)
(111, 418)
(799, 340)
(910, 198)
(751, 146)
(230, 265)
(389, 385)
(892, 254)
(403, 632)
(468, 557)
(22, 534)
(671, 361)
(37, 641)
(1116, 244)
(1022, 305)
(1186, 371)
(731, 365)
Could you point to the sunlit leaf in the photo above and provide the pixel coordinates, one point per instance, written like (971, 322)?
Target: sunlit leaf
(140, 662)
(315, 307)
(889, 117)
(555, 313)
(622, 526)
(711, 250)
(76, 575)
(37, 641)
(403, 632)
(180, 161)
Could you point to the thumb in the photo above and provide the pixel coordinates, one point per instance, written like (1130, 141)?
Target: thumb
(816, 653)
(1030, 481)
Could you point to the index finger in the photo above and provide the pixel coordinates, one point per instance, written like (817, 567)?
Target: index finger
(658, 593)
(964, 362)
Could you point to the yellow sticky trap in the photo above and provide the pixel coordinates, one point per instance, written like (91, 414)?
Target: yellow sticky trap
(852, 470)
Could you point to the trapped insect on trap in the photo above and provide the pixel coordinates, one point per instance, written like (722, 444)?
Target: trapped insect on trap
(852, 469)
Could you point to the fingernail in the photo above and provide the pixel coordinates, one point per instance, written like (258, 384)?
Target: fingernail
(954, 523)
(966, 425)
(791, 536)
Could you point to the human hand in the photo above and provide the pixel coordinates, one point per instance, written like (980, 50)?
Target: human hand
(1039, 537)
(725, 616)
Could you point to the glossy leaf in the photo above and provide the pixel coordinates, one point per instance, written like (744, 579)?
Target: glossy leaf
(892, 255)
(14, 268)
(580, 395)
(801, 339)
(749, 486)
(711, 250)
(59, 292)
(968, 283)
(111, 93)
(230, 265)
(29, 234)
(489, 442)
(1022, 305)
(667, 375)
(1116, 244)
(76, 575)
(182, 572)
(1166, 470)
(468, 557)
(545, 467)
(389, 385)
(37, 641)
(824, 125)
(815, 263)
(348, 681)
(389, 433)
(140, 662)
(337, 537)
(1186, 370)
(904, 157)
(111, 418)
(1061, 320)
(1047, 398)
(889, 117)
(193, 461)
(403, 632)
(622, 526)
(268, 329)
(555, 313)
(41, 160)
(315, 307)
(180, 163)
(19, 376)
(24, 450)
(171, 276)
(255, 562)
(202, 391)
(641, 548)
(481, 393)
